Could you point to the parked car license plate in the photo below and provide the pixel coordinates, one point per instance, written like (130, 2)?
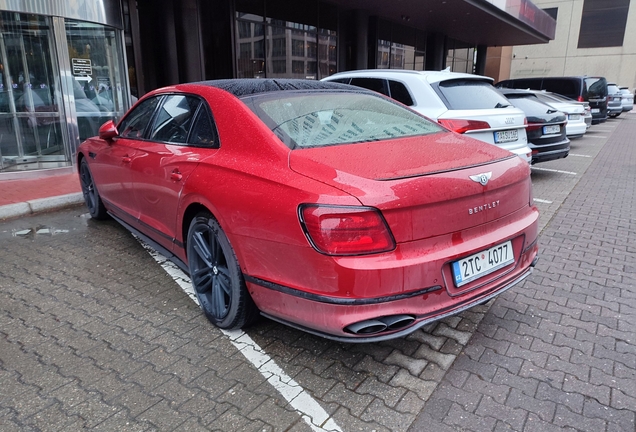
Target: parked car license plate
(506, 136)
(596, 110)
(574, 116)
(551, 129)
(482, 263)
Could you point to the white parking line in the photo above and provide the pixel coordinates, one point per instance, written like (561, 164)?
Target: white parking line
(553, 170)
(594, 136)
(310, 410)
(542, 201)
(579, 155)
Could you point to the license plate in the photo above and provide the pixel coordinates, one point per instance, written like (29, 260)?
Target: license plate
(596, 110)
(482, 263)
(547, 130)
(506, 136)
(574, 117)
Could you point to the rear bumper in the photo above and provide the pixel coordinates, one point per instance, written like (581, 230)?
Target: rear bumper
(552, 151)
(424, 274)
(575, 129)
(614, 110)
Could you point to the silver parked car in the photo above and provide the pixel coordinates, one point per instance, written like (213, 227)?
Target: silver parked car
(614, 104)
(627, 99)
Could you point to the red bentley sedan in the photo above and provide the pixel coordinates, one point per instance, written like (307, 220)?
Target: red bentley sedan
(326, 207)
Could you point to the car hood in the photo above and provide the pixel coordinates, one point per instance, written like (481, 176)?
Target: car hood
(393, 159)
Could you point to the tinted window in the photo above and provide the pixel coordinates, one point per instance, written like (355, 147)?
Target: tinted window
(174, 119)
(400, 93)
(375, 84)
(612, 89)
(565, 87)
(596, 87)
(203, 131)
(341, 80)
(136, 122)
(471, 94)
(329, 118)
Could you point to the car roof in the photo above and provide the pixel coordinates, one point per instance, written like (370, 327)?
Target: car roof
(430, 76)
(251, 86)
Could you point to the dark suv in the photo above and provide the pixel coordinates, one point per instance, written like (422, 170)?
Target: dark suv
(580, 88)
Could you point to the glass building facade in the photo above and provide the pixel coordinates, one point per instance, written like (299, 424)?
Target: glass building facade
(62, 74)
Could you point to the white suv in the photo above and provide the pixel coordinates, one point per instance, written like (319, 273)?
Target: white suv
(460, 102)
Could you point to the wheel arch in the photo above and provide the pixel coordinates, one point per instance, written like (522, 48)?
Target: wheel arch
(191, 211)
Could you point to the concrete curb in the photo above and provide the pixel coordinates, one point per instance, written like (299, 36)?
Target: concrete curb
(40, 205)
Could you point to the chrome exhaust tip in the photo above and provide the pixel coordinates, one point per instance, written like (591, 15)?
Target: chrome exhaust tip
(380, 324)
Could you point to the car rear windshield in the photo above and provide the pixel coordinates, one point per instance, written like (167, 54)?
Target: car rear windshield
(322, 118)
(596, 87)
(530, 104)
(468, 94)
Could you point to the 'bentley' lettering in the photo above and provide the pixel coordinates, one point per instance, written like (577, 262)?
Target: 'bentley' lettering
(480, 208)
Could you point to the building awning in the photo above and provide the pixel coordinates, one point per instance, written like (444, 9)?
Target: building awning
(477, 22)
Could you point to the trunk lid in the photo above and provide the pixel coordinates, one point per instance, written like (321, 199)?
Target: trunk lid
(423, 193)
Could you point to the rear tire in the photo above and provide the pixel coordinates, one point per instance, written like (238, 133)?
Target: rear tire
(216, 275)
(91, 197)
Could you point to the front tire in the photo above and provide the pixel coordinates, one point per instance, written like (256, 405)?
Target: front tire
(91, 197)
(216, 276)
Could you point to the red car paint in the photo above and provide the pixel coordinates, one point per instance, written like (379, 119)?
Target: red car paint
(253, 184)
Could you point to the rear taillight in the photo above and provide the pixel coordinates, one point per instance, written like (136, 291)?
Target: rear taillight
(534, 126)
(462, 125)
(580, 99)
(342, 230)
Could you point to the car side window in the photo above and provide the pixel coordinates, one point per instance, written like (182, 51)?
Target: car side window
(203, 130)
(135, 123)
(400, 93)
(375, 84)
(174, 119)
(341, 80)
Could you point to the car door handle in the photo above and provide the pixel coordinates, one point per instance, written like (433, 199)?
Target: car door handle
(176, 176)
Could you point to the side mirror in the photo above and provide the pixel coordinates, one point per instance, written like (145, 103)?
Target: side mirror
(108, 131)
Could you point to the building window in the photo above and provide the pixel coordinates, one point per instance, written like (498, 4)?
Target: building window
(298, 47)
(245, 29)
(278, 48)
(246, 51)
(279, 66)
(298, 67)
(553, 12)
(603, 23)
(281, 48)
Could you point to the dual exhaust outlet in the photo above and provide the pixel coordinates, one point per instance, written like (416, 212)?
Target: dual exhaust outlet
(380, 324)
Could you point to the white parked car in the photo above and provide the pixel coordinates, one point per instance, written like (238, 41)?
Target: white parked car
(627, 99)
(464, 103)
(575, 112)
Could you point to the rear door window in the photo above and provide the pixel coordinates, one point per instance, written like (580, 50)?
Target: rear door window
(468, 94)
(400, 93)
(174, 119)
(375, 84)
(204, 133)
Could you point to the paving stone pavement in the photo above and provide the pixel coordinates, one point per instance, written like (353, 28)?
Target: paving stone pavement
(95, 335)
(559, 352)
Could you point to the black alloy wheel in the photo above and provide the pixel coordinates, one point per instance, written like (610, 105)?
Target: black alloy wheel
(91, 197)
(216, 276)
